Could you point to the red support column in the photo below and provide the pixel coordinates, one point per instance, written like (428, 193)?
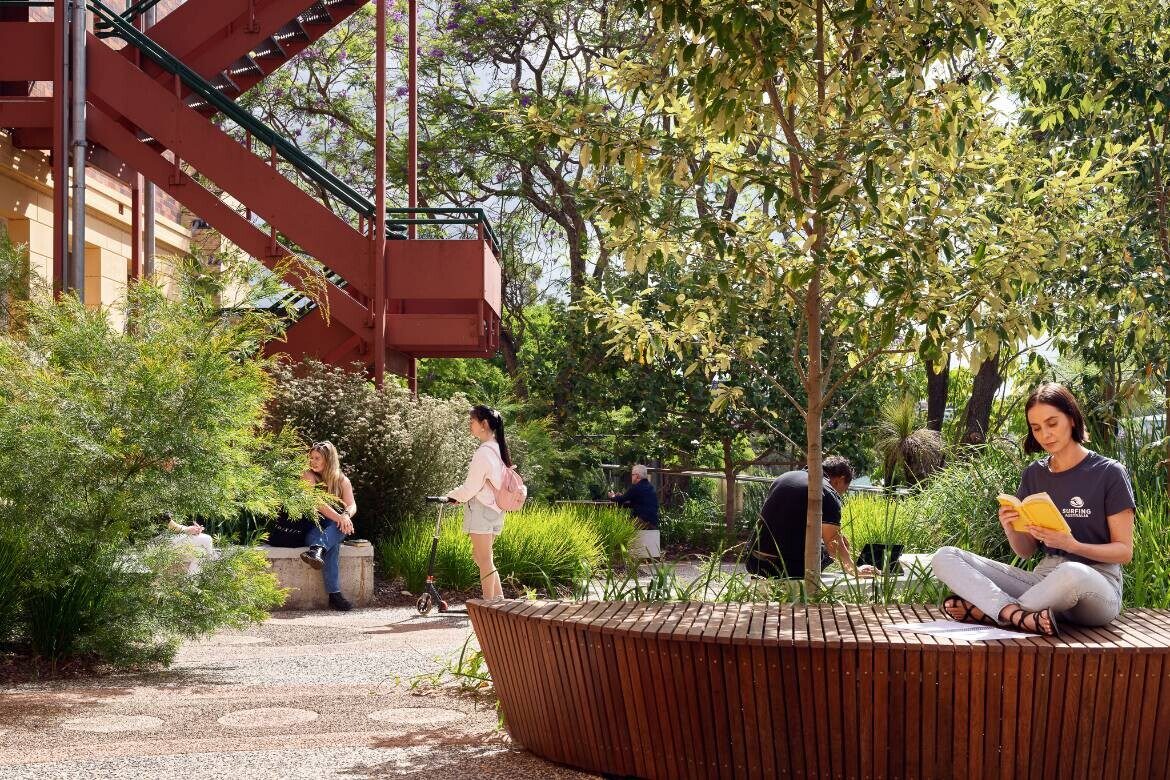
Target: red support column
(378, 246)
(60, 143)
(136, 228)
(412, 118)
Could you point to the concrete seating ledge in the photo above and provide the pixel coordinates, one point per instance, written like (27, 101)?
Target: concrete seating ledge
(306, 590)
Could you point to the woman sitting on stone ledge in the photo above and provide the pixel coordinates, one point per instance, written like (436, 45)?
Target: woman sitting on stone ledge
(324, 541)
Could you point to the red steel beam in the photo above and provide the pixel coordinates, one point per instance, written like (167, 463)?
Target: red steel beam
(109, 133)
(26, 112)
(129, 93)
(28, 51)
(379, 227)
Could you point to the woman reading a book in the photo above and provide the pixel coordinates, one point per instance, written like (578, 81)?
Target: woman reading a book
(1083, 529)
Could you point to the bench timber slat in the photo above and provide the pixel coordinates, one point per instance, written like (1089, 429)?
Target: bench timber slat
(697, 690)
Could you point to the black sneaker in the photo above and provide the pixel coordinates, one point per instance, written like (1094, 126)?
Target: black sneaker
(312, 556)
(339, 602)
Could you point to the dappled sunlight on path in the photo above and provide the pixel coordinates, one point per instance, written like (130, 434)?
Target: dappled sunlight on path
(304, 695)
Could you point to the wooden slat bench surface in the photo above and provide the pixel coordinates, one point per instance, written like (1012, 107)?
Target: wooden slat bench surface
(673, 690)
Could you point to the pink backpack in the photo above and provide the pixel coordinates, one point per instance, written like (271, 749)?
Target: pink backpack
(511, 493)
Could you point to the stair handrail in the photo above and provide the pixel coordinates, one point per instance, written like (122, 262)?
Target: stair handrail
(243, 118)
(104, 30)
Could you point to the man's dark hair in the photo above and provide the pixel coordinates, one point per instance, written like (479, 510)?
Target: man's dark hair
(837, 466)
(1057, 395)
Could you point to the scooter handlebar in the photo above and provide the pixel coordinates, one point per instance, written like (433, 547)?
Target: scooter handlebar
(440, 500)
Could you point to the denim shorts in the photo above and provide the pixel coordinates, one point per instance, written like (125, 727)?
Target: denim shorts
(478, 519)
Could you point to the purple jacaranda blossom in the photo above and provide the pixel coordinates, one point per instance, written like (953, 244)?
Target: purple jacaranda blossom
(525, 100)
(402, 91)
(398, 39)
(342, 55)
(452, 25)
(570, 93)
(438, 53)
(481, 20)
(397, 16)
(468, 56)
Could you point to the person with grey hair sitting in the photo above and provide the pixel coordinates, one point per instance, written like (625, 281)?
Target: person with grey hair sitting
(642, 501)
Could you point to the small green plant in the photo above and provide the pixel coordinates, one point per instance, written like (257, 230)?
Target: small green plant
(697, 524)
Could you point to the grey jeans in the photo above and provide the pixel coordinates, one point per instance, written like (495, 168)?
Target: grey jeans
(1078, 592)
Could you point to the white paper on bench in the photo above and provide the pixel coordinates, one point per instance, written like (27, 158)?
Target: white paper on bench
(964, 632)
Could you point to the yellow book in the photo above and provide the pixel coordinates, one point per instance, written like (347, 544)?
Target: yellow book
(1037, 509)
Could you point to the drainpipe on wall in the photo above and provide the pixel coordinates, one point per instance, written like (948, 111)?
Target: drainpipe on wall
(148, 195)
(60, 146)
(77, 110)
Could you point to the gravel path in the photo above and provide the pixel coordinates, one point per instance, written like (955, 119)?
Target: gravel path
(304, 695)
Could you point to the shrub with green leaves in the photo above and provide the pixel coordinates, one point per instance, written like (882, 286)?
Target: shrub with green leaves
(104, 431)
(395, 449)
(957, 506)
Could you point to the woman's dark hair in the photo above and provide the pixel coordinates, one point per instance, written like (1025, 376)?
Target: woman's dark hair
(496, 423)
(1057, 395)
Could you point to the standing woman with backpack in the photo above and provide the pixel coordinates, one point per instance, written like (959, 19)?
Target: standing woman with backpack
(483, 519)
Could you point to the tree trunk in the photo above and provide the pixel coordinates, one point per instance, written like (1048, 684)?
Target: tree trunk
(511, 352)
(938, 384)
(813, 385)
(978, 414)
(729, 486)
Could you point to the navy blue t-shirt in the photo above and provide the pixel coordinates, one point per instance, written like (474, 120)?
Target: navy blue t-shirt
(1087, 494)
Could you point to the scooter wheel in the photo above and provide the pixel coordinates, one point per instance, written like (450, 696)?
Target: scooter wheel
(442, 606)
(425, 603)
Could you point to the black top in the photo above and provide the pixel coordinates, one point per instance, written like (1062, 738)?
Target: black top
(782, 531)
(642, 501)
(1087, 494)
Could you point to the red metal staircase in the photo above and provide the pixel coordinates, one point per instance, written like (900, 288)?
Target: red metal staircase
(150, 104)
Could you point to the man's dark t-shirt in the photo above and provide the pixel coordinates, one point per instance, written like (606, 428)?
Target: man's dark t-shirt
(642, 502)
(783, 525)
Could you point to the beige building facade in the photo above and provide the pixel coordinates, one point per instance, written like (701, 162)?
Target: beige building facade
(26, 211)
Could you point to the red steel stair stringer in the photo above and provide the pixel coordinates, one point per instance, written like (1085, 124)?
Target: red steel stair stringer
(126, 92)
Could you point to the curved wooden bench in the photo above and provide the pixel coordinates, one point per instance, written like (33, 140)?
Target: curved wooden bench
(670, 690)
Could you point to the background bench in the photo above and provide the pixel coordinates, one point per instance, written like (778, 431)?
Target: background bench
(306, 588)
(668, 690)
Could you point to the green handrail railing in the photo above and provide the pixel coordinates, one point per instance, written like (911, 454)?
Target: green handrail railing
(104, 30)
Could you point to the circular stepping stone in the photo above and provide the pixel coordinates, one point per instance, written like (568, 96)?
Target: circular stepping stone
(268, 717)
(230, 641)
(417, 716)
(105, 724)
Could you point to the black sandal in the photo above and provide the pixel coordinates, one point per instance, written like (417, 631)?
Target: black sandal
(1029, 621)
(958, 602)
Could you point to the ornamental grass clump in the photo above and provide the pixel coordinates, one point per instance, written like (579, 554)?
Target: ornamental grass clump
(104, 430)
(550, 549)
(394, 448)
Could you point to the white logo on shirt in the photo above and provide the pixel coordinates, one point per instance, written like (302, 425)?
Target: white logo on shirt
(1077, 501)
